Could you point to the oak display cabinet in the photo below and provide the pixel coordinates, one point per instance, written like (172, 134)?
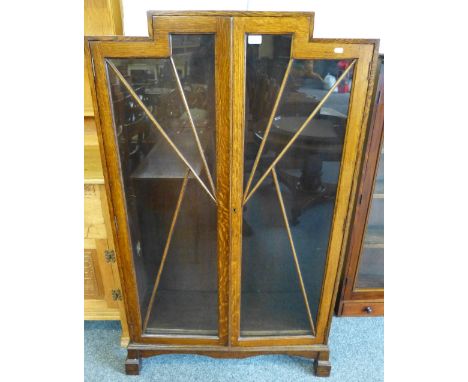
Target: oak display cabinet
(362, 290)
(231, 144)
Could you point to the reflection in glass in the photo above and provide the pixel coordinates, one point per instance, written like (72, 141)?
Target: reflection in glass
(281, 275)
(371, 266)
(167, 173)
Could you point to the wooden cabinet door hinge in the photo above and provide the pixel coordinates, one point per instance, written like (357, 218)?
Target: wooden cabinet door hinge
(116, 294)
(109, 255)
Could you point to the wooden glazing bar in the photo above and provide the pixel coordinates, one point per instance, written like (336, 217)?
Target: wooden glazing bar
(299, 131)
(270, 123)
(293, 250)
(192, 124)
(166, 248)
(158, 126)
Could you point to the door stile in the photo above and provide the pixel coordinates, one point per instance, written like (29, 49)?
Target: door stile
(237, 169)
(223, 157)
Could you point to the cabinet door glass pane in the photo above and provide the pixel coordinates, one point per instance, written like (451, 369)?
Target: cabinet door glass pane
(371, 266)
(164, 120)
(291, 169)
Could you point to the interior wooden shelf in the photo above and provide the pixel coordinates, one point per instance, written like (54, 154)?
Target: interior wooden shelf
(262, 314)
(374, 236)
(374, 245)
(178, 312)
(273, 314)
(370, 281)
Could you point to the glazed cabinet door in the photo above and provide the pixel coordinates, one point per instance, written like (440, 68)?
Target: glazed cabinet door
(370, 275)
(165, 140)
(298, 117)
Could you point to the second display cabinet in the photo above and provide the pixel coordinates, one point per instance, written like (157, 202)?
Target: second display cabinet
(362, 290)
(231, 144)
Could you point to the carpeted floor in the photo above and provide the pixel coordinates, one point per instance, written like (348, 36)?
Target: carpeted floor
(356, 355)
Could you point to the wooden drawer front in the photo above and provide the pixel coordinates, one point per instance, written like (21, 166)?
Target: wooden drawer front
(360, 308)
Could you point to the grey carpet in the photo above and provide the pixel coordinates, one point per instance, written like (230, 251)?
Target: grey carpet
(356, 355)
